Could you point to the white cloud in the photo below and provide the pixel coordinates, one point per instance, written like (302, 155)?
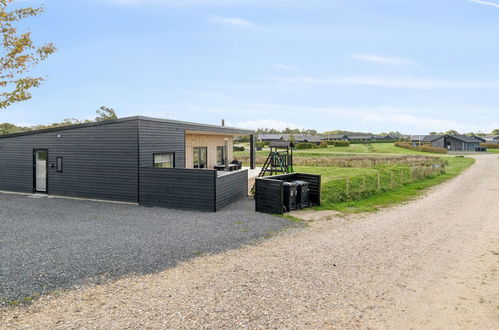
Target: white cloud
(393, 61)
(486, 3)
(266, 123)
(393, 82)
(235, 21)
(285, 67)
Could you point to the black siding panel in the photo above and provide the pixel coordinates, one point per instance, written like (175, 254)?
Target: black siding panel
(231, 187)
(157, 137)
(269, 196)
(269, 191)
(184, 189)
(100, 162)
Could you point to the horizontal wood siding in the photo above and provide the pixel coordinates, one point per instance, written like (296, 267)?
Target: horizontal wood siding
(231, 187)
(184, 189)
(315, 186)
(268, 196)
(157, 137)
(99, 162)
(269, 191)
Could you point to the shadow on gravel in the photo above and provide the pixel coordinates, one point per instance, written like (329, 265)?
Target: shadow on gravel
(49, 244)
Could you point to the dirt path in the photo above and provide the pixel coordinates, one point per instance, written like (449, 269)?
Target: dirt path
(429, 264)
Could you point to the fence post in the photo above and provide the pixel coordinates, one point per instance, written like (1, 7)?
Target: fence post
(379, 180)
(348, 186)
(391, 178)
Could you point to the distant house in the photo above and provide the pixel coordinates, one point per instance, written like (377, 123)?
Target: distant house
(424, 139)
(335, 137)
(386, 137)
(299, 138)
(449, 142)
(491, 138)
(269, 137)
(363, 138)
(316, 139)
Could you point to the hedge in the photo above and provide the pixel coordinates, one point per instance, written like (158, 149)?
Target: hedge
(424, 147)
(490, 145)
(305, 145)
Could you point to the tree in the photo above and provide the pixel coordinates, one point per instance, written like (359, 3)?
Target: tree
(433, 133)
(18, 55)
(495, 132)
(452, 132)
(105, 113)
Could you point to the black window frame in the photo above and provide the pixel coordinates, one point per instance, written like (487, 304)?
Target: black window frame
(224, 154)
(59, 167)
(193, 157)
(163, 153)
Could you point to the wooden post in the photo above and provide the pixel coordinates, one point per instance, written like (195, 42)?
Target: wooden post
(252, 152)
(379, 180)
(348, 186)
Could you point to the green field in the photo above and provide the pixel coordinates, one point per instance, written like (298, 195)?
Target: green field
(348, 185)
(371, 150)
(396, 186)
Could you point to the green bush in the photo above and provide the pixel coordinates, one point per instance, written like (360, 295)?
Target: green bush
(424, 147)
(260, 144)
(238, 148)
(305, 145)
(490, 145)
(341, 143)
(353, 188)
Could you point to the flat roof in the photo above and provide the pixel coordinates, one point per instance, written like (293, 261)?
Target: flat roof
(190, 125)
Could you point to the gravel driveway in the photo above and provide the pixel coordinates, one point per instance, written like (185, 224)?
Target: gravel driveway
(429, 264)
(53, 243)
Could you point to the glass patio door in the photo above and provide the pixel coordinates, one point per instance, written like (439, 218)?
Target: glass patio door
(200, 157)
(40, 170)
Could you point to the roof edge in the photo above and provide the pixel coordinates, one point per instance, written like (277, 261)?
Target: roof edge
(68, 127)
(124, 119)
(242, 130)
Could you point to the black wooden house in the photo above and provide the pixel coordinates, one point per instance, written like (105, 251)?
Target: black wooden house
(141, 160)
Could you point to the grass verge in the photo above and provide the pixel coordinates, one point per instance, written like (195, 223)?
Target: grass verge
(405, 193)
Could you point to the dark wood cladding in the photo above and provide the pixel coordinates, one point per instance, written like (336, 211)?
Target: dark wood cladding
(268, 196)
(184, 189)
(157, 137)
(269, 190)
(100, 162)
(231, 187)
(114, 161)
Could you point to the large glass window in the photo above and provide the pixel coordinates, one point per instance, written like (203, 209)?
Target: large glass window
(164, 160)
(221, 155)
(200, 157)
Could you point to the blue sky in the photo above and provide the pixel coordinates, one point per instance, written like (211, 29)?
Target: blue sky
(409, 65)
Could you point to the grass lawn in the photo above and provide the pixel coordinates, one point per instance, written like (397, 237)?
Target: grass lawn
(374, 149)
(383, 199)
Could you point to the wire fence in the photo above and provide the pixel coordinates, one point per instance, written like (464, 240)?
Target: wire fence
(352, 188)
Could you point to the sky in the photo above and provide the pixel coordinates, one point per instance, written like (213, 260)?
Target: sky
(412, 66)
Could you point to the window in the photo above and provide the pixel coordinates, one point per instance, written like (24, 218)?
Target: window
(221, 155)
(58, 164)
(200, 157)
(164, 160)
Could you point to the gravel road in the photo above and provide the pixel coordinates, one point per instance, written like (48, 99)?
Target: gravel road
(49, 244)
(429, 264)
